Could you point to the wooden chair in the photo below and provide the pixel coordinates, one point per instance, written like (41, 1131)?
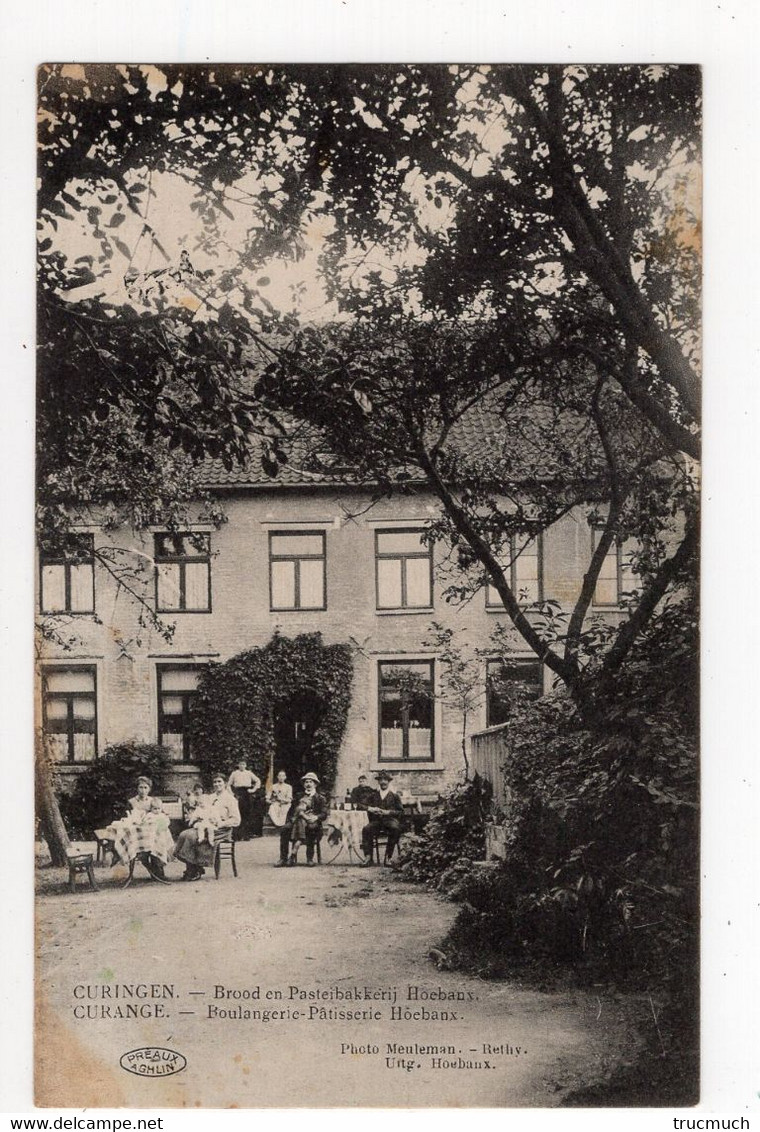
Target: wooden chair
(81, 863)
(224, 850)
(380, 841)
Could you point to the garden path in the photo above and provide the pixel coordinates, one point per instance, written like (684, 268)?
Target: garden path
(323, 931)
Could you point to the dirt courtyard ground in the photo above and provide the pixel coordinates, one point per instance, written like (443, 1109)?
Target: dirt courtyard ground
(251, 979)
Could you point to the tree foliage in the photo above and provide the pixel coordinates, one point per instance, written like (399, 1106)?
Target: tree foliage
(102, 790)
(557, 194)
(601, 823)
(443, 853)
(513, 244)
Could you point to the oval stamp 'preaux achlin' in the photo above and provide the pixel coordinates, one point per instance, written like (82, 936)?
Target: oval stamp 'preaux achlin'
(153, 1061)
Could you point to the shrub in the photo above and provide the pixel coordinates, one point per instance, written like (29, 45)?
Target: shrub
(102, 790)
(601, 869)
(453, 838)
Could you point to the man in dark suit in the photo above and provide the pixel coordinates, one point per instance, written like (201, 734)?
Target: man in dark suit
(363, 795)
(385, 813)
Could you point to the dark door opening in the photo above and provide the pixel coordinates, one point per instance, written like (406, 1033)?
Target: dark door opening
(294, 725)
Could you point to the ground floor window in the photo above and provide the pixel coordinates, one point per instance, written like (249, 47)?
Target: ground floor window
(69, 713)
(405, 711)
(503, 678)
(177, 688)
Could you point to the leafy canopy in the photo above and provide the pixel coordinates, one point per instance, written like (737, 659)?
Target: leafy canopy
(389, 249)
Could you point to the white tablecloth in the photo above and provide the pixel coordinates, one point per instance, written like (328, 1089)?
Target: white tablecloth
(350, 823)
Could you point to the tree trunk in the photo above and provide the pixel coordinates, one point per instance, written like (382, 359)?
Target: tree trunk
(48, 813)
(464, 748)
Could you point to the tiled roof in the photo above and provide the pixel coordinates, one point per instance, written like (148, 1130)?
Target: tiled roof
(480, 434)
(308, 464)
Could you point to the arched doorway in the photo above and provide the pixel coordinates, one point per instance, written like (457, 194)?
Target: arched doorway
(282, 707)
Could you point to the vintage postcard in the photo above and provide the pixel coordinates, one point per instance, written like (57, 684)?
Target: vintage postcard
(368, 455)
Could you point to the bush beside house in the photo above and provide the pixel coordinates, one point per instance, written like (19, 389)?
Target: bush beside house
(103, 789)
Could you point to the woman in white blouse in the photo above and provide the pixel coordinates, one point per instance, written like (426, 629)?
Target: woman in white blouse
(244, 783)
(280, 798)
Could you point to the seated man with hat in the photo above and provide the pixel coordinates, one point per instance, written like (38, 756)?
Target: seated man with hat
(385, 813)
(305, 822)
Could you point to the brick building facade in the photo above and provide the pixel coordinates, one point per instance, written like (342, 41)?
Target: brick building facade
(292, 558)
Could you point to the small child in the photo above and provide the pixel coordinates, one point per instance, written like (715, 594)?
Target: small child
(196, 815)
(143, 808)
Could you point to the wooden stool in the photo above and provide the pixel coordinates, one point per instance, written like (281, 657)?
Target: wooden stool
(225, 850)
(81, 863)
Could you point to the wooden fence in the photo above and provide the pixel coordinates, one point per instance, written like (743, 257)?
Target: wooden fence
(487, 757)
(487, 751)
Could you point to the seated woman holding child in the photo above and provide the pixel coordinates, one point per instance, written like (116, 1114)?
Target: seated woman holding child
(144, 830)
(213, 816)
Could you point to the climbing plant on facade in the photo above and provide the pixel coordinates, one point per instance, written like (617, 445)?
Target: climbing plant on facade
(237, 703)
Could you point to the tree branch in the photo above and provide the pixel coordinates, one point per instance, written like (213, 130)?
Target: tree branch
(591, 576)
(566, 670)
(653, 594)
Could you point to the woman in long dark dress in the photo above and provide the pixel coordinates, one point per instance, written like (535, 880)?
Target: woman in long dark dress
(244, 784)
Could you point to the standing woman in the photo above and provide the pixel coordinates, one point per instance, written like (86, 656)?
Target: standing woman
(244, 783)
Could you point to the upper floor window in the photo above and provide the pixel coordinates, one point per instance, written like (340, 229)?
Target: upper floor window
(183, 573)
(404, 565)
(524, 572)
(297, 570)
(67, 583)
(69, 713)
(616, 579)
(177, 690)
(406, 710)
(506, 677)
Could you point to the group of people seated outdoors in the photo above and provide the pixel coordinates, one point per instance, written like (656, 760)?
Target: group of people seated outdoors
(302, 822)
(211, 818)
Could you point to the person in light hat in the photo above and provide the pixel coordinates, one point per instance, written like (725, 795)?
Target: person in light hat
(309, 812)
(385, 813)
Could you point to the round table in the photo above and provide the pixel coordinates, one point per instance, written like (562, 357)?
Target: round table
(348, 824)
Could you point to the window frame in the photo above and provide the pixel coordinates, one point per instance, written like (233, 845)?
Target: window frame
(171, 666)
(406, 759)
(46, 671)
(427, 552)
(595, 603)
(539, 555)
(297, 559)
(527, 661)
(182, 560)
(67, 562)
